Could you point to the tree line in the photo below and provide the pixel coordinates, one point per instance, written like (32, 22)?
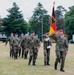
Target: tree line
(14, 21)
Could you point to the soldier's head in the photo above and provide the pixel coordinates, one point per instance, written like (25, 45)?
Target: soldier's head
(36, 35)
(22, 34)
(11, 34)
(61, 33)
(16, 35)
(26, 36)
(32, 33)
(47, 36)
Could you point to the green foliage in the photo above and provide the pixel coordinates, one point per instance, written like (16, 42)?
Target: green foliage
(14, 22)
(39, 16)
(69, 22)
(1, 25)
(59, 14)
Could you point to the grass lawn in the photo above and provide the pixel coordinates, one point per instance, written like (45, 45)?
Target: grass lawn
(9, 66)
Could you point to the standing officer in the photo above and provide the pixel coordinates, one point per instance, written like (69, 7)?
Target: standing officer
(25, 42)
(47, 45)
(33, 50)
(16, 45)
(21, 48)
(10, 39)
(61, 49)
(37, 44)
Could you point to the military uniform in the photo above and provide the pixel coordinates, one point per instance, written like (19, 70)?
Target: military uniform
(47, 45)
(61, 48)
(33, 45)
(25, 43)
(16, 45)
(22, 47)
(10, 39)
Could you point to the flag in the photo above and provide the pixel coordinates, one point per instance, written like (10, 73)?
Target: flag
(52, 23)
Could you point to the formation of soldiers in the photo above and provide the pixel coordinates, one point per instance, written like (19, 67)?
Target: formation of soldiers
(21, 46)
(30, 44)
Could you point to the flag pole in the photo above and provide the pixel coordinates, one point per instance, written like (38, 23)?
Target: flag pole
(54, 3)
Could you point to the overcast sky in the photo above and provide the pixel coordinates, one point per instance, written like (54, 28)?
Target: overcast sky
(27, 6)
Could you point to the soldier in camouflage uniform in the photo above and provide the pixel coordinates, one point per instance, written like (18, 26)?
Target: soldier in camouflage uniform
(61, 49)
(22, 47)
(47, 45)
(16, 45)
(33, 46)
(25, 42)
(10, 39)
(37, 44)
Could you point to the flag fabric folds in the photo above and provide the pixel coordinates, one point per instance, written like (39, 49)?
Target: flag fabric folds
(52, 23)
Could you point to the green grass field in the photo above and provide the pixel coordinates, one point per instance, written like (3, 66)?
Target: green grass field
(9, 66)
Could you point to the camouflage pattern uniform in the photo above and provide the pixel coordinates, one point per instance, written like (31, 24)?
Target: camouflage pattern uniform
(22, 47)
(10, 39)
(61, 48)
(16, 45)
(25, 43)
(33, 46)
(47, 44)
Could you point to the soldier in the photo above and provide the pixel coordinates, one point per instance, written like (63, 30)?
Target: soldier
(33, 49)
(25, 46)
(10, 39)
(21, 38)
(61, 49)
(16, 45)
(37, 45)
(47, 45)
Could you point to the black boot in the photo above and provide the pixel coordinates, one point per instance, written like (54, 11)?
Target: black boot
(29, 62)
(55, 66)
(45, 64)
(62, 70)
(34, 63)
(59, 60)
(48, 63)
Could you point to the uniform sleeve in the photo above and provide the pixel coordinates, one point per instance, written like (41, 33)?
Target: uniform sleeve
(7, 40)
(53, 36)
(66, 44)
(44, 44)
(39, 43)
(50, 42)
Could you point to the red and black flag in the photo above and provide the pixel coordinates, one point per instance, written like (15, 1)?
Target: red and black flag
(52, 23)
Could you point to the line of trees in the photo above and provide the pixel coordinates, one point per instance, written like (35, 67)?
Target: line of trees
(14, 22)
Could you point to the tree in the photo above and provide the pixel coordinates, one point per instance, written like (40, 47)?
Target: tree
(1, 25)
(69, 22)
(14, 22)
(38, 18)
(59, 15)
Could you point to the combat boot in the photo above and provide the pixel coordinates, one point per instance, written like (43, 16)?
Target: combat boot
(62, 70)
(59, 60)
(34, 63)
(45, 64)
(29, 62)
(48, 63)
(55, 66)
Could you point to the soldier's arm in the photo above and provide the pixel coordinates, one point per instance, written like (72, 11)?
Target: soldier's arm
(54, 36)
(7, 41)
(66, 44)
(39, 43)
(50, 42)
(44, 44)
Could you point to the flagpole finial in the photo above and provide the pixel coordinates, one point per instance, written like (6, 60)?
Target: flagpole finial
(53, 3)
